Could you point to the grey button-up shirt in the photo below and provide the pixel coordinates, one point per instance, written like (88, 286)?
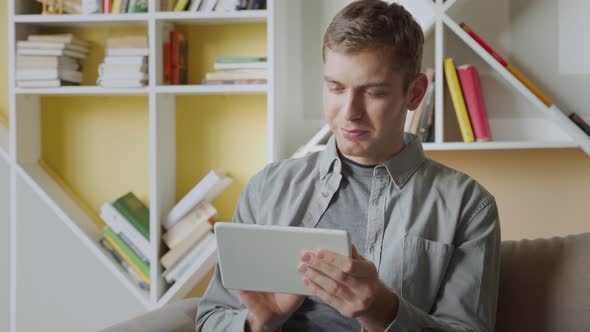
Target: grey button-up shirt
(432, 232)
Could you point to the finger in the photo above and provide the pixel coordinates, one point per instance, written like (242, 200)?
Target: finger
(332, 271)
(327, 283)
(356, 267)
(328, 298)
(355, 253)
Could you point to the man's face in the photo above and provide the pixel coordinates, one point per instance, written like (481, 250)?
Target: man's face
(365, 105)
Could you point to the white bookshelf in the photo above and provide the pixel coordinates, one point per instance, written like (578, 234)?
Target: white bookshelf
(518, 119)
(21, 145)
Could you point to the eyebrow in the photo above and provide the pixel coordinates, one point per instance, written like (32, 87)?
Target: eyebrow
(364, 86)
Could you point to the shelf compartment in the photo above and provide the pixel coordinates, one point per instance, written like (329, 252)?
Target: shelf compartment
(77, 219)
(90, 20)
(244, 16)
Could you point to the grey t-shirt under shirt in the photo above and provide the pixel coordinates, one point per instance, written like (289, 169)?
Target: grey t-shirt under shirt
(348, 211)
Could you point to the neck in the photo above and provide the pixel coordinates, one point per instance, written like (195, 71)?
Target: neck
(377, 159)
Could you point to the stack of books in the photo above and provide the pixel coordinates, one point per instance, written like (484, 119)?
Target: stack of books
(125, 64)
(175, 58)
(126, 236)
(45, 61)
(420, 122)
(238, 70)
(211, 5)
(467, 97)
(189, 231)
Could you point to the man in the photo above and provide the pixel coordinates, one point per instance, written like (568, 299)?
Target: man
(426, 238)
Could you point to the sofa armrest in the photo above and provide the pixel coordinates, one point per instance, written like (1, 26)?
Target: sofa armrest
(177, 316)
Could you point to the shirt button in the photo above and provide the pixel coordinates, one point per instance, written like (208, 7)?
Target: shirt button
(375, 202)
(371, 248)
(325, 194)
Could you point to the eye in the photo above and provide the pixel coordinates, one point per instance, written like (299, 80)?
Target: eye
(336, 88)
(375, 92)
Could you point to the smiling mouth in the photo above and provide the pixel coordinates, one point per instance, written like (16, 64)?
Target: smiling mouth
(353, 133)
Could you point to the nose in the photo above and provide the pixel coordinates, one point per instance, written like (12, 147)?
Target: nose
(353, 106)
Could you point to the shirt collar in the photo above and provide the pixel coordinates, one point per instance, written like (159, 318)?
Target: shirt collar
(399, 168)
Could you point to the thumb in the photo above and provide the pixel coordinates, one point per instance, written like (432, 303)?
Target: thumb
(355, 253)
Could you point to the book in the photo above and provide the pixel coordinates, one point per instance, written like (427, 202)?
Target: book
(128, 51)
(138, 6)
(31, 61)
(195, 4)
(124, 266)
(225, 5)
(580, 123)
(239, 66)
(124, 76)
(517, 74)
(316, 143)
(59, 38)
(198, 215)
(233, 82)
(122, 83)
(458, 101)
(107, 6)
(105, 69)
(415, 125)
(136, 250)
(251, 75)
(179, 58)
(39, 84)
(49, 74)
(180, 5)
(55, 52)
(239, 59)
(208, 5)
(206, 190)
(133, 41)
(81, 6)
(120, 225)
(135, 212)
(127, 254)
(117, 4)
(51, 45)
(125, 60)
(427, 119)
(194, 258)
(471, 86)
(173, 255)
(166, 62)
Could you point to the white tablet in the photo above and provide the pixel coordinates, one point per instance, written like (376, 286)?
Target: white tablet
(265, 258)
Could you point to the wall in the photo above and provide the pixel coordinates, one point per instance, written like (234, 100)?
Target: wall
(4, 245)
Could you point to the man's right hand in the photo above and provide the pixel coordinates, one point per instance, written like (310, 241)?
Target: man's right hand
(268, 311)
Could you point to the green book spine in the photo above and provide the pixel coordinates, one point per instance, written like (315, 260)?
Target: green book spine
(135, 212)
(239, 59)
(145, 269)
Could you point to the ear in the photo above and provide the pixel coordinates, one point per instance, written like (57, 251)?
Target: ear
(416, 91)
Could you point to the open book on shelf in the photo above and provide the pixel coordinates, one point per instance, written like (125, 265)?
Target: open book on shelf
(316, 143)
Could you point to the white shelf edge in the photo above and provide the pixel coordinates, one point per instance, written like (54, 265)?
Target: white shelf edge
(4, 155)
(82, 91)
(183, 285)
(245, 16)
(4, 142)
(498, 145)
(447, 5)
(212, 89)
(34, 175)
(84, 19)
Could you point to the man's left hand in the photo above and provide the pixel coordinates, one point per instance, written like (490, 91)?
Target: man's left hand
(349, 284)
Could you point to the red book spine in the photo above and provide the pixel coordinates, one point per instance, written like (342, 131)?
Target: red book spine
(182, 58)
(483, 44)
(476, 107)
(167, 65)
(107, 6)
(175, 57)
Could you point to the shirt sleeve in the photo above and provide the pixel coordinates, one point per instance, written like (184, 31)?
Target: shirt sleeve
(221, 309)
(468, 295)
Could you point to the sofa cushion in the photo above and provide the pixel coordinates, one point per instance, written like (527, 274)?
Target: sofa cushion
(545, 285)
(174, 317)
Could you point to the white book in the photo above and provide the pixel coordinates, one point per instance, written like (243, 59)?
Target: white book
(207, 5)
(239, 66)
(122, 84)
(226, 5)
(64, 52)
(174, 255)
(104, 69)
(125, 60)
(59, 38)
(182, 229)
(123, 76)
(49, 74)
(120, 224)
(32, 61)
(195, 258)
(39, 84)
(316, 143)
(408, 123)
(206, 190)
(50, 45)
(194, 5)
(127, 51)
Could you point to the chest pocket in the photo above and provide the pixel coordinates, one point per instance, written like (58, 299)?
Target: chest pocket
(424, 266)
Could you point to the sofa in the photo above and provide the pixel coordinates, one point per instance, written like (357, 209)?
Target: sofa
(544, 286)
